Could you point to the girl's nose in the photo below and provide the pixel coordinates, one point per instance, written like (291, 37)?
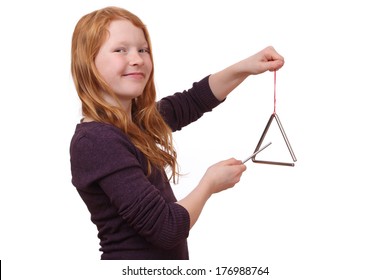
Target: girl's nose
(135, 58)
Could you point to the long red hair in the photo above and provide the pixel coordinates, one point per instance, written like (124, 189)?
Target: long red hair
(145, 127)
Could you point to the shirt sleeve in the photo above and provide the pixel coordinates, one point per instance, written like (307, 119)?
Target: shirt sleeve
(185, 107)
(115, 165)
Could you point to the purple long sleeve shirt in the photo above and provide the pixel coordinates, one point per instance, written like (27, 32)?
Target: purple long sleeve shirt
(136, 216)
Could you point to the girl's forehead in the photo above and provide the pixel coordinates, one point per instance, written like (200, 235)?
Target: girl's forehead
(123, 29)
(123, 26)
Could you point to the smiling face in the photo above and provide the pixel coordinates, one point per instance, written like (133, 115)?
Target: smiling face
(124, 62)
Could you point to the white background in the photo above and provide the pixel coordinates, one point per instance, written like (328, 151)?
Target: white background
(325, 218)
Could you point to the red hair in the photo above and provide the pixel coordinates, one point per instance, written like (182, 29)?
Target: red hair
(145, 127)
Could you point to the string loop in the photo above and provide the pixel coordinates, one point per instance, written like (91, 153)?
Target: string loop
(274, 92)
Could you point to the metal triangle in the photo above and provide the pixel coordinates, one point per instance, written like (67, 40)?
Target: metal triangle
(275, 116)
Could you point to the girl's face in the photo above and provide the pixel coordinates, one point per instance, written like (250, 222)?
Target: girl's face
(124, 61)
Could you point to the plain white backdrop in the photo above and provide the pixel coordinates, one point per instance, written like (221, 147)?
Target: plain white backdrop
(325, 218)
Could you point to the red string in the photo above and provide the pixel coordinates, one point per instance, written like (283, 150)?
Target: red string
(274, 92)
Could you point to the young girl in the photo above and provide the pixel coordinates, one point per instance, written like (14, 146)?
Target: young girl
(122, 148)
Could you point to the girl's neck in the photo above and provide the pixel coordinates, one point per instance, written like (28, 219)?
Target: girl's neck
(87, 119)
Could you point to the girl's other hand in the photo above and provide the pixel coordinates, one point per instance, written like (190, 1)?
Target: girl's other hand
(223, 175)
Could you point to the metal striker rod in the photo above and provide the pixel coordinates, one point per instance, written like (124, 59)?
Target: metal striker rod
(255, 153)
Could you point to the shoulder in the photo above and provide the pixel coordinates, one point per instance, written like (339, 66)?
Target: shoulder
(97, 133)
(98, 149)
(94, 141)
(97, 130)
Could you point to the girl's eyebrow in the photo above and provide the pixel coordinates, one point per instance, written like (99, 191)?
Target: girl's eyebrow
(126, 42)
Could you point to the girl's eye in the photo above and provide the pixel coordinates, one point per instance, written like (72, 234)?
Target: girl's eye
(144, 50)
(120, 50)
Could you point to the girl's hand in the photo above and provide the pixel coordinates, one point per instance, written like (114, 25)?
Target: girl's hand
(265, 60)
(223, 175)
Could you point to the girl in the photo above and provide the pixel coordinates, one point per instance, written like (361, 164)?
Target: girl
(122, 147)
